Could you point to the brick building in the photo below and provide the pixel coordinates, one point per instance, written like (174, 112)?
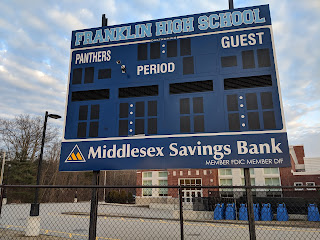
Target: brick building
(303, 171)
(175, 177)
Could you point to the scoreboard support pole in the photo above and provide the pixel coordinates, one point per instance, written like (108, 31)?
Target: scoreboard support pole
(252, 227)
(94, 207)
(231, 4)
(95, 182)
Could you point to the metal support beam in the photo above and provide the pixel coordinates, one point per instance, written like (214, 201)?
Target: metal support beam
(252, 228)
(94, 207)
(181, 214)
(231, 4)
(104, 20)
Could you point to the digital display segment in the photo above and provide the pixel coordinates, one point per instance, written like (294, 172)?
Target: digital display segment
(205, 78)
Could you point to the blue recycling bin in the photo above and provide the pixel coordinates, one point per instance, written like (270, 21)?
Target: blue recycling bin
(218, 213)
(282, 214)
(266, 212)
(313, 213)
(243, 212)
(230, 211)
(256, 210)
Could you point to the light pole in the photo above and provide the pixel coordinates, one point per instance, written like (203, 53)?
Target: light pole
(33, 226)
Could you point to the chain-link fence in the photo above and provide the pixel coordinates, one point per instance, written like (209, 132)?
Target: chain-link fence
(161, 212)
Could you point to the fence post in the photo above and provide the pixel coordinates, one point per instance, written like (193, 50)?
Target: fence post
(1, 198)
(94, 207)
(181, 213)
(252, 228)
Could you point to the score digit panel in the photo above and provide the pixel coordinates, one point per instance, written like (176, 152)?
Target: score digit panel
(198, 91)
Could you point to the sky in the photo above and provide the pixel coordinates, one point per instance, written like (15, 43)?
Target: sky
(35, 52)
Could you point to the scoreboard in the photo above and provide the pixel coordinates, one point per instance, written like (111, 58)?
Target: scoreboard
(196, 91)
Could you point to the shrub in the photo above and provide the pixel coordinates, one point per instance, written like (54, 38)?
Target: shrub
(123, 197)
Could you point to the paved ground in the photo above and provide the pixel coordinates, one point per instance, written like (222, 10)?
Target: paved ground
(135, 223)
(7, 234)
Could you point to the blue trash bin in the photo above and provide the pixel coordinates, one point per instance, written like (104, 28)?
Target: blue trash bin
(243, 212)
(218, 213)
(266, 212)
(256, 210)
(230, 211)
(313, 213)
(282, 214)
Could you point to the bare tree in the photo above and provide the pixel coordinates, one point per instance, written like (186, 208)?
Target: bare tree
(22, 136)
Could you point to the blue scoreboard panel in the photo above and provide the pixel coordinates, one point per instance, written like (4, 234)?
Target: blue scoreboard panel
(196, 91)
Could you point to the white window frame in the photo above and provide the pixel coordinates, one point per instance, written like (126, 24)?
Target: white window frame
(166, 177)
(298, 184)
(145, 191)
(163, 190)
(313, 184)
(143, 173)
(223, 172)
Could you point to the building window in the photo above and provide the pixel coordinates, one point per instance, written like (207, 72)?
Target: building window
(204, 172)
(226, 192)
(174, 173)
(225, 182)
(147, 191)
(163, 174)
(272, 181)
(251, 171)
(273, 192)
(147, 174)
(252, 181)
(190, 193)
(308, 184)
(271, 170)
(225, 171)
(163, 191)
(190, 181)
(298, 184)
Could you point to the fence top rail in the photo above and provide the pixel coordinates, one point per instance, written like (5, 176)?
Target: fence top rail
(152, 186)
